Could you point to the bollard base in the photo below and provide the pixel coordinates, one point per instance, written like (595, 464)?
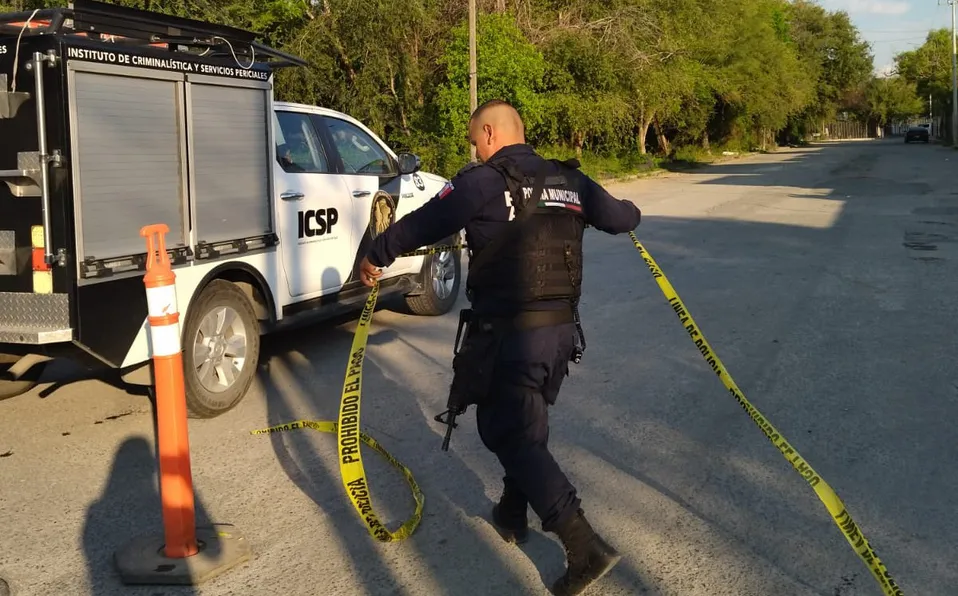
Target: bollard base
(221, 547)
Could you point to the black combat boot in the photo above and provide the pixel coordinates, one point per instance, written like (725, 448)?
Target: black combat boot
(588, 556)
(509, 515)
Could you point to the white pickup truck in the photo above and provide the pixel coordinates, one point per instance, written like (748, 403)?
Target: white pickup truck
(114, 118)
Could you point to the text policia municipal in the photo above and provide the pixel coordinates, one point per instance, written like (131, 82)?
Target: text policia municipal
(105, 57)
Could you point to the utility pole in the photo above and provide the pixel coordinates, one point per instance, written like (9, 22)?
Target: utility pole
(954, 79)
(931, 119)
(473, 85)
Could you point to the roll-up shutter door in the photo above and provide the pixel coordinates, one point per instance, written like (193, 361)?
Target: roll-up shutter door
(230, 160)
(128, 161)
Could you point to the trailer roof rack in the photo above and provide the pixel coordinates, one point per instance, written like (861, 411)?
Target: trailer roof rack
(132, 26)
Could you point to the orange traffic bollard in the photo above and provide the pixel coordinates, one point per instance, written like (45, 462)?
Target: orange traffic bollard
(186, 554)
(176, 480)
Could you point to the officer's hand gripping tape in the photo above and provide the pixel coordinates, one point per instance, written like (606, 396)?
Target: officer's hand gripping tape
(835, 507)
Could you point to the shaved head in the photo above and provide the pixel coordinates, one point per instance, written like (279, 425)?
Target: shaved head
(494, 125)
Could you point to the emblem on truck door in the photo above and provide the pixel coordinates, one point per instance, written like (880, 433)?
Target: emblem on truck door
(382, 215)
(417, 180)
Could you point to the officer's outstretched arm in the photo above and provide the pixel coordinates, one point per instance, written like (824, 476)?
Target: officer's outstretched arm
(607, 213)
(442, 216)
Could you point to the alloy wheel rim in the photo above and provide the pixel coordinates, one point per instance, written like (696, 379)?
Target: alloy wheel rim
(219, 349)
(443, 274)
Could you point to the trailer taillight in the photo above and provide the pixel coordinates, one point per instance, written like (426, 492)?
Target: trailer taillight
(42, 275)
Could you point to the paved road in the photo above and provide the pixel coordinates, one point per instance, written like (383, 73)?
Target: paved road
(826, 278)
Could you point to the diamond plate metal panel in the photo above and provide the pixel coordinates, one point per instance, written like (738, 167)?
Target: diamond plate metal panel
(28, 161)
(33, 336)
(21, 311)
(8, 253)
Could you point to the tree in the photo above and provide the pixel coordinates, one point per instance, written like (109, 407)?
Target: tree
(884, 100)
(929, 66)
(604, 77)
(833, 55)
(509, 66)
(583, 104)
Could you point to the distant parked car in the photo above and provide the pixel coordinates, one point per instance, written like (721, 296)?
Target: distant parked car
(916, 133)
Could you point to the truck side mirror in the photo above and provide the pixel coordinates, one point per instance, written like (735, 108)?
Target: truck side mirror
(409, 163)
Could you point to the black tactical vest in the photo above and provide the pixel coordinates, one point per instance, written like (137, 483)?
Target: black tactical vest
(539, 256)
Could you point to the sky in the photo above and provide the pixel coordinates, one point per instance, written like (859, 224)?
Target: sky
(893, 26)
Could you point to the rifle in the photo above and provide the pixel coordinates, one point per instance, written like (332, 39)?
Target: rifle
(454, 404)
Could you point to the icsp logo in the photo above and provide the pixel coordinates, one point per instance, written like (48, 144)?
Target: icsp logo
(317, 222)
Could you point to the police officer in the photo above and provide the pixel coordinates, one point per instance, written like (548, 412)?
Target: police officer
(524, 295)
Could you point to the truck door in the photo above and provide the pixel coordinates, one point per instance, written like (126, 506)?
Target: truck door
(372, 177)
(315, 209)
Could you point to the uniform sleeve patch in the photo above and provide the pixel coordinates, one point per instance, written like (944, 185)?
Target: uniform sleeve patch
(445, 190)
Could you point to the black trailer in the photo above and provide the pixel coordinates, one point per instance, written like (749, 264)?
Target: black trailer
(71, 259)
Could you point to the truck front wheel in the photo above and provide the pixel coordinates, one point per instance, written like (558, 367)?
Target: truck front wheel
(221, 341)
(441, 277)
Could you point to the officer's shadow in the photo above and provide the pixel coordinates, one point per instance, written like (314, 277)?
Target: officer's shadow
(456, 515)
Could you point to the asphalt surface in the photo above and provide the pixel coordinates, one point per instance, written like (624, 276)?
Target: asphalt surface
(826, 278)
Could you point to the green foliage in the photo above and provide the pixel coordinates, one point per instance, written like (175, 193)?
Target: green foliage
(889, 99)
(833, 56)
(929, 66)
(509, 67)
(604, 80)
(927, 70)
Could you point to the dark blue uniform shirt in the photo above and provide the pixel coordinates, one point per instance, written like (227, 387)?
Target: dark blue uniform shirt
(478, 204)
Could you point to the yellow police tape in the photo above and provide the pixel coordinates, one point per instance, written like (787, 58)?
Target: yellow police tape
(349, 436)
(433, 250)
(832, 502)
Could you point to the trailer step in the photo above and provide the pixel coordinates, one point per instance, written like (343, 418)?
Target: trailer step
(26, 179)
(34, 335)
(27, 318)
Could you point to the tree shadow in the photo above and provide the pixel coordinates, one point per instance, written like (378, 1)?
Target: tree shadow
(603, 446)
(826, 326)
(456, 506)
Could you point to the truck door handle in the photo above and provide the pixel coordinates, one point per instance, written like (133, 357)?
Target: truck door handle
(291, 195)
(361, 193)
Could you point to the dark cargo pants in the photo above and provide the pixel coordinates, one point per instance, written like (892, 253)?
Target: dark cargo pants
(514, 421)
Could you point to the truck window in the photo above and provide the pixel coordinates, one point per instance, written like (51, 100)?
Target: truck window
(298, 148)
(359, 152)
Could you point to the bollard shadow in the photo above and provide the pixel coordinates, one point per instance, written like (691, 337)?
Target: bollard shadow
(129, 507)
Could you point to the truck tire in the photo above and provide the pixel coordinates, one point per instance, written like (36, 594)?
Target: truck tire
(441, 278)
(221, 342)
(22, 385)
